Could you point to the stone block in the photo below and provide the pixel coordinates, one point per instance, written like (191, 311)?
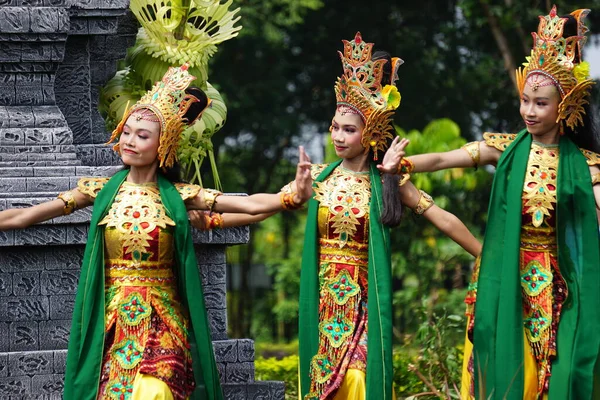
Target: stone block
(48, 117)
(212, 274)
(24, 79)
(7, 238)
(17, 171)
(102, 26)
(26, 283)
(60, 361)
(14, 19)
(30, 363)
(59, 282)
(41, 235)
(215, 296)
(5, 341)
(53, 185)
(12, 136)
(75, 78)
(15, 386)
(3, 117)
(239, 373)
(78, 26)
(25, 308)
(20, 117)
(12, 185)
(226, 351)
(97, 171)
(213, 254)
(54, 171)
(261, 391)
(29, 95)
(218, 323)
(44, 19)
(235, 391)
(76, 52)
(246, 350)
(62, 136)
(67, 258)
(38, 136)
(106, 156)
(20, 260)
(61, 306)
(49, 95)
(24, 336)
(8, 94)
(3, 363)
(54, 335)
(77, 234)
(48, 384)
(6, 284)
(10, 52)
(37, 52)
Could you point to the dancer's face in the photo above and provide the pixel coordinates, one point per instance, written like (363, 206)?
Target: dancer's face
(139, 142)
(346, 134)
(539, 108)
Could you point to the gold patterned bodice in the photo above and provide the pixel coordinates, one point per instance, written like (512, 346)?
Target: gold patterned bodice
(539, 196)
(139, 233)
(343, 216)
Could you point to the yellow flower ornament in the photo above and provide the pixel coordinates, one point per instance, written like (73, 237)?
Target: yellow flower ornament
(392, 96)
(582, 71)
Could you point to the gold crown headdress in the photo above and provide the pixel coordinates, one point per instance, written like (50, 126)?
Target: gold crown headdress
(559, 59)
(169, 102)
(360, 89)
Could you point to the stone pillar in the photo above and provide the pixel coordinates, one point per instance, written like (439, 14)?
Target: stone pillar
(54, 57)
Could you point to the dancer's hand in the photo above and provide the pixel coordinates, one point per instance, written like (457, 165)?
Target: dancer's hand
(199, 219)
(303, 178)
(393, 156)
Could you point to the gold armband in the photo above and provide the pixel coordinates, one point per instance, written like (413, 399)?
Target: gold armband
(595, 178)
(287, 201)
(210, 197)
(472, 150)
(425, 202)
(69, 200)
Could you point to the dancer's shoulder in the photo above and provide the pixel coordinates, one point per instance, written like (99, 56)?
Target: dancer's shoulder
(499, 141)
(91, 186)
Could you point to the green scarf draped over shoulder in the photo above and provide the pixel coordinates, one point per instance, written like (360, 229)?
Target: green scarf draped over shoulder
(379, 339)
(86, 341)
(498, 332)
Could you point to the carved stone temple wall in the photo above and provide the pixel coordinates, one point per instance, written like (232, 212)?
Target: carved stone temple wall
(54, 57)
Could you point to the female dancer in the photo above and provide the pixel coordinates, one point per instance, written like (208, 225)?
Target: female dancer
(134, 333)
(346, 259)
(533, 332)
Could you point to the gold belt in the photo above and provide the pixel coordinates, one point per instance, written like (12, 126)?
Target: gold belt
(128, 273)
(537, 239)
(350, 252)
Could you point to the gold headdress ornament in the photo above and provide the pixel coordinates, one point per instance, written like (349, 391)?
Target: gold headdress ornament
(360, 89)
(169, 102)
(558, 60)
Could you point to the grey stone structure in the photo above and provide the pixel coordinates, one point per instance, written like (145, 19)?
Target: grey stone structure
(54, 57)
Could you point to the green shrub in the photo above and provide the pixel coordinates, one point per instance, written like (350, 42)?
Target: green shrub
(285, 369)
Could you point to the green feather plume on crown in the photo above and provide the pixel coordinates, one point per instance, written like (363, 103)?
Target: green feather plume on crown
(172, 34)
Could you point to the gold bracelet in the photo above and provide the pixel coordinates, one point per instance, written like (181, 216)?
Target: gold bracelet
(472, 148)
(425, 202)
(406, 166)
(210, 198)
(287, 201)
(216, 221)
(595, 178)
(69, 200)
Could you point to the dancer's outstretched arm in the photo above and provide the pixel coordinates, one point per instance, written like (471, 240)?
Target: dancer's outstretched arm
(445, 221)
(18, 218)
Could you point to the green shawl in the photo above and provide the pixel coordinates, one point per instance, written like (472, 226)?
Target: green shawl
(86, 341)
(379, 341)
(498, 333)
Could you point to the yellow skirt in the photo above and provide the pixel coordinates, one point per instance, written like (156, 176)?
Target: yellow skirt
(530, 371)
(354, 386)
(147, 387)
